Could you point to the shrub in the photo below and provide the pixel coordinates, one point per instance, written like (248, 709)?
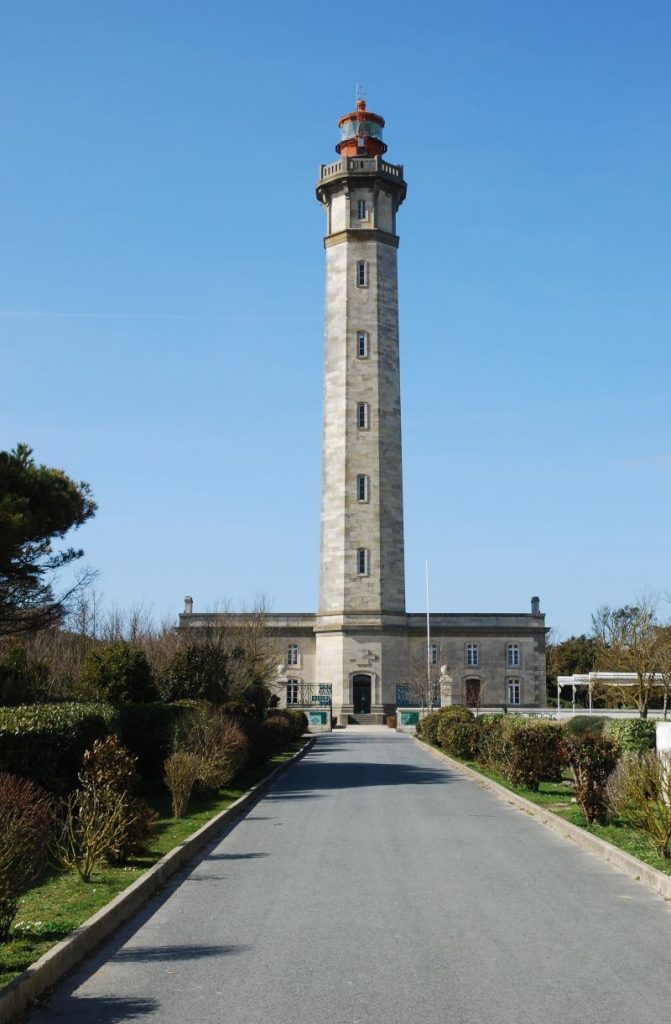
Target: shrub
(297, 721)
(455, 713)
(46, 742)
(258, 739)
(459, 738)
(118, 673)
(181, 771)
(111, 769)
(633, 733)
(592, 759)
(488, 751)
(26, 823)
(300, 720)
(585, 725)
(198, 670)
(279, 733)
(148, 731)
(217, 741)
(225, 756)
(21, 681)
(94, 825)
(450, 718)
(529, 751)
(109, 766)
(639, 792)
(391, 721)
(428, 726)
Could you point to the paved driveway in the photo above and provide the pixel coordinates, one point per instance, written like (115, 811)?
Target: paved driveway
(372, 884)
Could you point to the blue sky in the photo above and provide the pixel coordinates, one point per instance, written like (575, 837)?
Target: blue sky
(161, 288)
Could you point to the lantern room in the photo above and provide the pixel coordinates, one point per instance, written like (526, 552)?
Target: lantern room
(361, 133)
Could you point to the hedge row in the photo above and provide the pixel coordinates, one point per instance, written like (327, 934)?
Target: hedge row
(527, 751)
(46, 742)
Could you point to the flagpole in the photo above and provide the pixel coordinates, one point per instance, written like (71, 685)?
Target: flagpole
(428, 638)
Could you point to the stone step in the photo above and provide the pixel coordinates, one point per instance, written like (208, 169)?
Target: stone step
(370, 719)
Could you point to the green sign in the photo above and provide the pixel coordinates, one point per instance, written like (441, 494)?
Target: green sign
(317, 717)
(409, 717)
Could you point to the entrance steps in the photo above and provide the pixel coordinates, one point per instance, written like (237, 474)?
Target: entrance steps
(371, 719)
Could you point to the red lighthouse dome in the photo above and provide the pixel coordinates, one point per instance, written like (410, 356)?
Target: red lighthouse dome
(361, 133)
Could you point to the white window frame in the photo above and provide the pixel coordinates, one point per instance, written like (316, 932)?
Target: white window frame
(513, 656)
(361, 209)
(362, 562)
(362, 488)
(293, 655)
(472, 655)
(293, 692)
(362, 345)
(362, 415)
(514, 691)
(362, 273)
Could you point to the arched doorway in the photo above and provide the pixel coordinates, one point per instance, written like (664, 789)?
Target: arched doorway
(361, 694)
(472, 693)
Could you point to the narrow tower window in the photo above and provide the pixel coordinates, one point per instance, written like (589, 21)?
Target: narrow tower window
(362, 273)
(362, 344)
(433, 654)
(362, 487)
(362, 561)
(362, 415)
(292, 691)
(361, 210)
(292, 654)
(472, 655)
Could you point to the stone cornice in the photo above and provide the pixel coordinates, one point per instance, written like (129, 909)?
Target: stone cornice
(361, 235)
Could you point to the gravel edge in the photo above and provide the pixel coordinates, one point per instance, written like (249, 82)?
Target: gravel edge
(62, 957)
(625, 862)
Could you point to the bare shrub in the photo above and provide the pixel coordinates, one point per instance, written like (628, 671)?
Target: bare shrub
(102, 820)
(639, 792)
(181, 770)
(111, 769)
(95, 823)
(26, 823)
(219, 743)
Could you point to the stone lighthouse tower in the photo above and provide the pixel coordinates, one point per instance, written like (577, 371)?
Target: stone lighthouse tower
(360, 646)
(362, 652)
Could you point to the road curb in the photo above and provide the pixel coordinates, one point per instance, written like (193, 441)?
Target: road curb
(636, 869)
(60, 959)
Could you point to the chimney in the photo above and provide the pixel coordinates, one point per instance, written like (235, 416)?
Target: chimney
(188, 605)
(535, 605)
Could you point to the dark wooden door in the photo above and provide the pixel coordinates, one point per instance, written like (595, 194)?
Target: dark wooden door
(472, 693)
(361, 694)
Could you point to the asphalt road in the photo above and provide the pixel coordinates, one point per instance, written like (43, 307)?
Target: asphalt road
(371, 884)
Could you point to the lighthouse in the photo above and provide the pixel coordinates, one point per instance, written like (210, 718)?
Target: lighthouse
(361, 656)
(362, 579)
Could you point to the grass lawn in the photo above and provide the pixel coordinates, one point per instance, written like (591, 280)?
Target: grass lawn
(61, 901)
(556, 797)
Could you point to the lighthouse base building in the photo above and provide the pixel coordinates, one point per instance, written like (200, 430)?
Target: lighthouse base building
(366, 672)
(362, 655)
